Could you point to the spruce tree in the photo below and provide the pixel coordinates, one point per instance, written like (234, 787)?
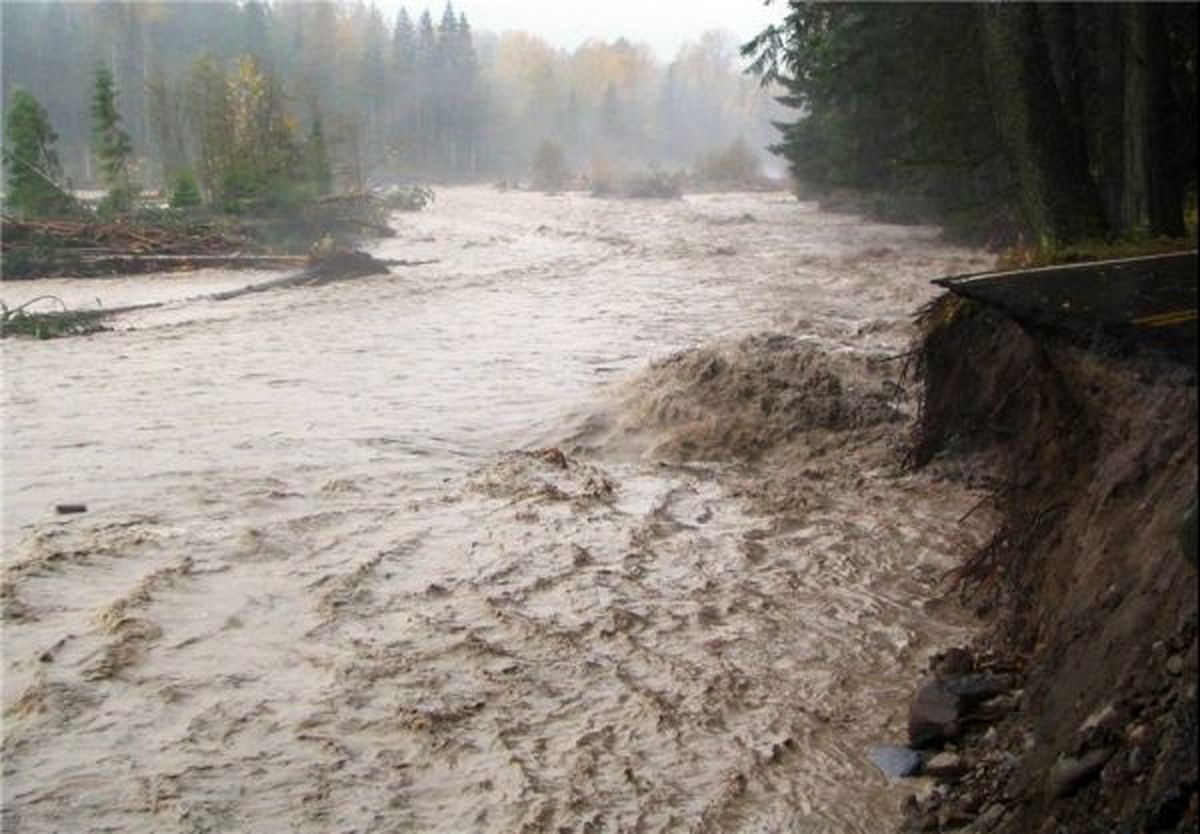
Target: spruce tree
(31, 164)
(110, 143)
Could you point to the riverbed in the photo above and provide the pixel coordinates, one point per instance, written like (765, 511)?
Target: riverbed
(426, 552)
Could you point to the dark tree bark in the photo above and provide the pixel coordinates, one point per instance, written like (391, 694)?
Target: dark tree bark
(1183, 35)
(1058, 198)
(1164, 185)
(1101, 40)
(1059, 27)
(1152, 192)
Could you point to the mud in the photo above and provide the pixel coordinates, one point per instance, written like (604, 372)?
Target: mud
(474, 547)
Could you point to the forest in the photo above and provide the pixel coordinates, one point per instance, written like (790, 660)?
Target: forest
(209, 90)
(1048, 123)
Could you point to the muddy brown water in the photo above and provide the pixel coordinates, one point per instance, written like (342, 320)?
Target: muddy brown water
(319, 587)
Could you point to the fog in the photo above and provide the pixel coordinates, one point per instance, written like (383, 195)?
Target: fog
(403, 93)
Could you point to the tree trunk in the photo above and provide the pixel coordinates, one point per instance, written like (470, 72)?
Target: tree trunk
(1164, 185)
(1135, 203)
(1058, 198)
(1101, 39)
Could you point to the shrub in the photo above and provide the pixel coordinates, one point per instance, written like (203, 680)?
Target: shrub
(654, 185)
(550, 171)
(735, 165)
(185, 193)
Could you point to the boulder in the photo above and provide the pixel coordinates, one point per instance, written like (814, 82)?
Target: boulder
(1070, 774)
(973, 690)
(934, 716)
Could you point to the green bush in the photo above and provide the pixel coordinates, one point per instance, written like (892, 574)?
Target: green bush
(185, 192)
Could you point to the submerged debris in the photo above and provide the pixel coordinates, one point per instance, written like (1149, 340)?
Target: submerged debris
(21, 321)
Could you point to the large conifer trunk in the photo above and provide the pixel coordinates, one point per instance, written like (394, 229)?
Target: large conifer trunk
(1163, 185)
(1057, 195)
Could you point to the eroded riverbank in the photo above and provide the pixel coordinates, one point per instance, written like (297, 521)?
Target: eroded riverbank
(320, 587)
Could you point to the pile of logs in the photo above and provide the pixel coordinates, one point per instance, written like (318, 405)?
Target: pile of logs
(37, 248)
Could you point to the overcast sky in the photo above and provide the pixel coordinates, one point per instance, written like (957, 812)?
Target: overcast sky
(664, 24)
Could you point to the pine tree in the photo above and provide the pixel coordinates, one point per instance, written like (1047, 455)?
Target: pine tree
(110, 143)
(469, 117)
(427, 89)
(30, 161)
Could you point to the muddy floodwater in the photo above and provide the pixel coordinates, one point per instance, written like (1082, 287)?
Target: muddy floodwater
(472, 547)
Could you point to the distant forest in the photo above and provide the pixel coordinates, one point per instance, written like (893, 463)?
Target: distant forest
(417, 97)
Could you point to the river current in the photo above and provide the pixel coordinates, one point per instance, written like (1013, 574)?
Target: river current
(472, 546)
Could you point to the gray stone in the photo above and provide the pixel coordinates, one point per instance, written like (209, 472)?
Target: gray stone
(894, 761)
(1070, 774)
(1175, 665)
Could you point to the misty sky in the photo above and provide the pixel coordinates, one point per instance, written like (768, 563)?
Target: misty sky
(664, 24)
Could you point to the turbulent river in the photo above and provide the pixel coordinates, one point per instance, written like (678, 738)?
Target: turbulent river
(473, 547)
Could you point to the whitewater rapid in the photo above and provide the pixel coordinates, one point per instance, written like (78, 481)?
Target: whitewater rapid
(463, 548)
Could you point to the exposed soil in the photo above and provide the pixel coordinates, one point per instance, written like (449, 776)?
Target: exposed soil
(1093, 599)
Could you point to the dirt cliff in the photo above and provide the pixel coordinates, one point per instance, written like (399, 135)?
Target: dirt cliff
(1088, 586)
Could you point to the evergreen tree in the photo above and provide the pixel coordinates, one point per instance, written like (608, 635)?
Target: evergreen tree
(372, 79)
(185, 193)
(30, 161)
(318, 169)
(402, 102)
(425, 116)
(110, 143)
(468, 100)
(1060, 121)
(404, 42)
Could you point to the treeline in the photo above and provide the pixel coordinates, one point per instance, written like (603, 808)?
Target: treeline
(410, 97)
(1064, 121)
